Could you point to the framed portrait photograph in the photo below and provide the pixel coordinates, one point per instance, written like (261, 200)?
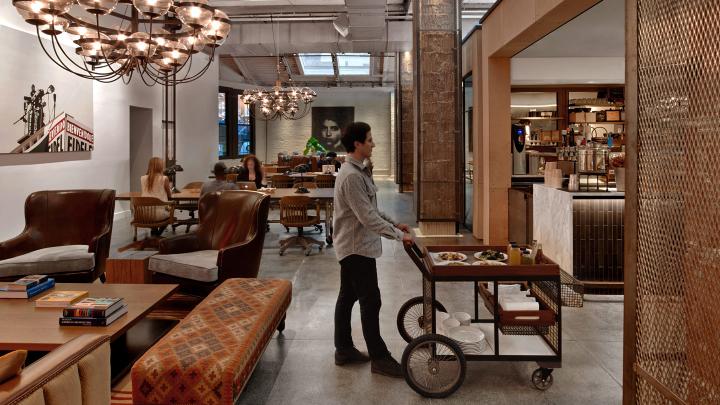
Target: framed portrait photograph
(328, 124)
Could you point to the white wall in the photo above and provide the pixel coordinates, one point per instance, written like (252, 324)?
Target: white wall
(372, 105)
(580, 70)
(108, 165)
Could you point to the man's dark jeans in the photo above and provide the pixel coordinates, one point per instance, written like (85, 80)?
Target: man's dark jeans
(358, 282)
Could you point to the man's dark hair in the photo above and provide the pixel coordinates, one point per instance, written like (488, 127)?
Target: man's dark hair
(355, 132)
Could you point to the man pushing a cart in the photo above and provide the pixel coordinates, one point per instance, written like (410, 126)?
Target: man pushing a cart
(358, 227)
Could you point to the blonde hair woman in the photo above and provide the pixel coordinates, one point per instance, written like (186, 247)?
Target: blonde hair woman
(156, 184)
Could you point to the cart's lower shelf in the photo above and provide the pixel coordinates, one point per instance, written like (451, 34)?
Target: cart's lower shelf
(511, 345)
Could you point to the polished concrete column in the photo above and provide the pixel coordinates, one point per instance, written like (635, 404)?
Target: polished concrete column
(406, 115)
(438, 147)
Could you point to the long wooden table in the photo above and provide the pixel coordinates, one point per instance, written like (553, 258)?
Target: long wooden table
(322, 195)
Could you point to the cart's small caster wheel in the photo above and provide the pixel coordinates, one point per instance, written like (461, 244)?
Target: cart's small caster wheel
(433, 366)
(307, 251)
(329, 241)
(410, 319)
(282, 253)
(542, 378)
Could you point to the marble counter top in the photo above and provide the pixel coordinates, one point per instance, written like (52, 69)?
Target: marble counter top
(596, 195)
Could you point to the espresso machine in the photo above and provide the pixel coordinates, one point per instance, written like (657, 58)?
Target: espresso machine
(518, 134)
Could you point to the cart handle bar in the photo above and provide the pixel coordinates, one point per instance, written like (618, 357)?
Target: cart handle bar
(413, 250)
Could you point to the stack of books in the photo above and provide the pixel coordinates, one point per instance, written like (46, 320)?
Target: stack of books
(60, 299)
(27, 287)
(94, 312)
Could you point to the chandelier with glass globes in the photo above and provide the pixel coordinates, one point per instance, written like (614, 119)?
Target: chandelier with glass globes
(116, 39)
(288, 102)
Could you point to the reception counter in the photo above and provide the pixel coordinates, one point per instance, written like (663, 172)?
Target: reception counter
(583, 233)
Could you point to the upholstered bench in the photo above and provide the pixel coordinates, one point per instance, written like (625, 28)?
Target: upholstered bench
(209, 356)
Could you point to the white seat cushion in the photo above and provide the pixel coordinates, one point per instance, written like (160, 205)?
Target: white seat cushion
(51, 260)
(198, 266)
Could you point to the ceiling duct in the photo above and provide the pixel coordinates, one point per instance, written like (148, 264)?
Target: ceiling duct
(342, 25)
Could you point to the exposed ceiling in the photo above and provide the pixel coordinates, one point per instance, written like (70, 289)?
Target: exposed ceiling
(599, 32)
(265, 28)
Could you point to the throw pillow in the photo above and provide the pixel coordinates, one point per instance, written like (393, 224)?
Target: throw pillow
(11, 364)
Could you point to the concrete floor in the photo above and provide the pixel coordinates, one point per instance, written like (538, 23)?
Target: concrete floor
(298, 368)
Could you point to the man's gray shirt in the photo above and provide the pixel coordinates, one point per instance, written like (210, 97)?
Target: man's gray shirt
(357, 222)
(212, 186)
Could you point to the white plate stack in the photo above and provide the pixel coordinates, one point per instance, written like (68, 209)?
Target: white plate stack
(471, 340)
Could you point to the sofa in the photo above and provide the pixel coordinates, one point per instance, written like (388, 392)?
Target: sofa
(66, 236)
(209, 356)
(76, 373)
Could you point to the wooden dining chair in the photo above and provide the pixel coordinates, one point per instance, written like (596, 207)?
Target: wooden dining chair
(282, 181)
(195, 185)
(306, 184)
(294, 214)
(151, 212)
(190, 206)
(246, 185)
(325, 181)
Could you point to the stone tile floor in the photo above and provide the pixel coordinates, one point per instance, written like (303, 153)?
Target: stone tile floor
(298, 366)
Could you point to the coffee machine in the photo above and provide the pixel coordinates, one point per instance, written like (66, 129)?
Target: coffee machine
(518, 134)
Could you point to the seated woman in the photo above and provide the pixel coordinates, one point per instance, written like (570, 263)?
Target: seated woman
(253, 171)
(156, 184)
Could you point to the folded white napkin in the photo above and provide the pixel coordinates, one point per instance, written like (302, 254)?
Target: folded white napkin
(519, 306)
(505, 289)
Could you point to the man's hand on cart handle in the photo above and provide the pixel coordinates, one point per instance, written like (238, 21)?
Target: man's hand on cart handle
(403, 227)
(408, 239)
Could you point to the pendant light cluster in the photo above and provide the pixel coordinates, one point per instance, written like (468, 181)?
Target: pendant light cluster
(116, 39)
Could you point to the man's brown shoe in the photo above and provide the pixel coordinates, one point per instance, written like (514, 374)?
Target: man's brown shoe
(386, 366)
(350, 356)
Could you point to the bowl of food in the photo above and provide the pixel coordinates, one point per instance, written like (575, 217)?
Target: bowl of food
(488, 263)
(491, 255)
(450, 256)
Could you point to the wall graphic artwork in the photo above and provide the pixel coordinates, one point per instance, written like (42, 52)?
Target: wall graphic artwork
(44, 131)
(328, 124)
(43, 108)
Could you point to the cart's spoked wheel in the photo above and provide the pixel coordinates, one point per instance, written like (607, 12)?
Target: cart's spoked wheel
(434, 366)
(542, 378)
(410, 319)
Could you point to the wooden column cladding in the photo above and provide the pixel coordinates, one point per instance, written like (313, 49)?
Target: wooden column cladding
(406, 116)
(438, 147)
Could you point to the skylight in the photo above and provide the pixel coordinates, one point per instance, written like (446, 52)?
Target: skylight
(354, 63)
(317, 64)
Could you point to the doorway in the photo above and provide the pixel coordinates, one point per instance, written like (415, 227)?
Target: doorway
(141, 143)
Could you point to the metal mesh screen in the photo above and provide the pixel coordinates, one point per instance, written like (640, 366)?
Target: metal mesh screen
(678, 266)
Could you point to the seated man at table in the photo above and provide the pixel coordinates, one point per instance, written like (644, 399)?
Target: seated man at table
(219, 183)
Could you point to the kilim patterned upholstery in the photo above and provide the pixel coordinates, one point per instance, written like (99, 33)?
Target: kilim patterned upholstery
(209, 356)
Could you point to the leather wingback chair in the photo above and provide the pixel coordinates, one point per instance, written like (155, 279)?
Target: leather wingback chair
(227, 244)
(62, 220)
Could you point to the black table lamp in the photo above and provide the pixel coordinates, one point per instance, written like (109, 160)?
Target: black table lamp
(170, 172)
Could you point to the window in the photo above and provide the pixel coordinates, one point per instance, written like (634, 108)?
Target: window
(354, 64)
(236, 125)
(222, 126)
(316, 64)
(244, 128)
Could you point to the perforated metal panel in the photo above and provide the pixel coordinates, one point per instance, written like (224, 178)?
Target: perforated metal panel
(678, 268)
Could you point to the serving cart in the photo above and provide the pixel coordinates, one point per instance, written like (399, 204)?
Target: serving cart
(434, 365)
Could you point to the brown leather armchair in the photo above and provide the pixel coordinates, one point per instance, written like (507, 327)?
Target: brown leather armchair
(227, 244)
(66, 236)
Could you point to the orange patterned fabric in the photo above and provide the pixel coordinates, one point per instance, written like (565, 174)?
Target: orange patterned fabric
(209, 356)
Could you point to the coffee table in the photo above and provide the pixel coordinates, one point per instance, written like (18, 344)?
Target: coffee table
(38, 330)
